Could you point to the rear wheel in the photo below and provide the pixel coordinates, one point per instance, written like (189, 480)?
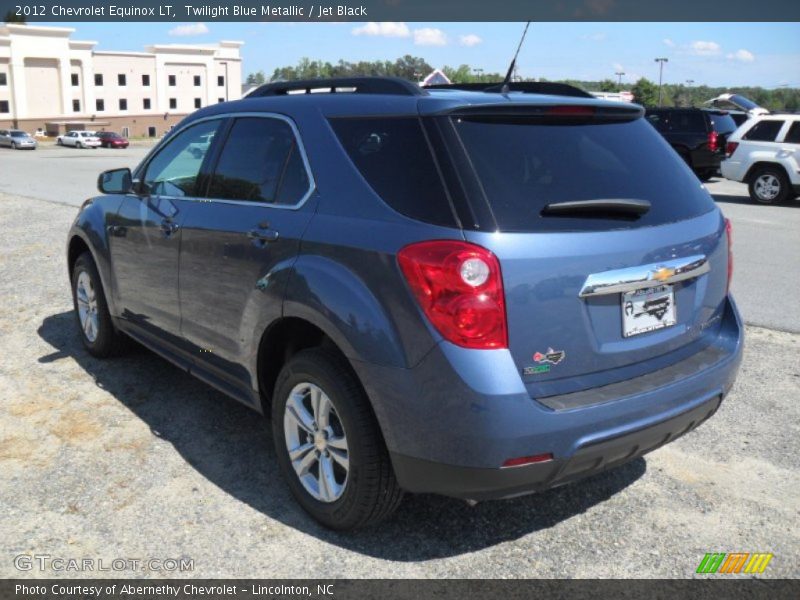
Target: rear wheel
(59, 142)
(769, 185)
(13, 145)
(78, 145)
(706, 174)
(98, 334)
(329, 445)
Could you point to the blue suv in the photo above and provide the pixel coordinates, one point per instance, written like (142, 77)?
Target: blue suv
(480, 293)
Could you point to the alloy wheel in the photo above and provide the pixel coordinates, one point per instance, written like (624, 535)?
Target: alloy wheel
(316, 442)
(767, 187)
(87, 306)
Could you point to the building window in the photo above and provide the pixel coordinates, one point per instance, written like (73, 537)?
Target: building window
(3, 79)
(121, 79)
(76, 106)
(100, 105)
(197, 80)
(123, 104)
(75, 81)
(172, 81)
(220, 100)
(220, 80)
(146, 103)
(4, 106)
(146, 80)
(98, 79)
(151, 132)
(173, 103)
(197, 103)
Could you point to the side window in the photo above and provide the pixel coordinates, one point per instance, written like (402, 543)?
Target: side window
(687, 121)
(793, 135)
(764, 131)
(394, 158)
(261, 162)
(173, 171)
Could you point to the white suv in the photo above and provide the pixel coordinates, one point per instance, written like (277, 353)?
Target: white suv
(764, 153)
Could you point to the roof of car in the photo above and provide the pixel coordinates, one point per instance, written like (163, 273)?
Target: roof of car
(365, 96)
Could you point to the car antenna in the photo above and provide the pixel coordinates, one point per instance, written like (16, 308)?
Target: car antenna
(504, 89)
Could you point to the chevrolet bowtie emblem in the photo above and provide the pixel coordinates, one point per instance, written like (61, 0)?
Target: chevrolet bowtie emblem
(662, 274)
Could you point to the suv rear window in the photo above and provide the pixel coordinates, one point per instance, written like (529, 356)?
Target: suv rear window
(764, 131)
(393, 156)
(526, 164)
(722, 122)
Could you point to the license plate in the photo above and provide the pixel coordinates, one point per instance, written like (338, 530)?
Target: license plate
(647, 309)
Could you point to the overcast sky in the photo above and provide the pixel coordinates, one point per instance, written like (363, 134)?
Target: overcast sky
(717, 54)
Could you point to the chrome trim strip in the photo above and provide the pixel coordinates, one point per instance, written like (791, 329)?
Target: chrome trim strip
(312, 184)
(635, 278)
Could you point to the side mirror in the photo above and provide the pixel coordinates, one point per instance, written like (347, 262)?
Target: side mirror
(115, 181)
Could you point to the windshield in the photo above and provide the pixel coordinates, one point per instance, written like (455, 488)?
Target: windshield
(525, 165)
(18, 134)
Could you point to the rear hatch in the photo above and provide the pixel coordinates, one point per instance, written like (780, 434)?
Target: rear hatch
(596, 292)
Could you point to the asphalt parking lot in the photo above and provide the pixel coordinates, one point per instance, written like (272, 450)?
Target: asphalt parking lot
(132, 458)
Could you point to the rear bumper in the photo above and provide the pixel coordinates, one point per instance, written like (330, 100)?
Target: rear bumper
(418, 475)
(454, 419)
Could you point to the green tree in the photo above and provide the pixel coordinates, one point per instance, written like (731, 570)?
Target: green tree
(645, 92)
(256, 78)
(607, 85)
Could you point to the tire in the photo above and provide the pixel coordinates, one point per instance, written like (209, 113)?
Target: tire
(105, 340)
(769, 185)
(79, 145)
(59, 142)
(705, 174)
(367, 491)
(13, 145)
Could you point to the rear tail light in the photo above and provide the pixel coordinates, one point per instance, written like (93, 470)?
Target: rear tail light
(729, 236)
(730, 148)
(713, 141)
(527, 460)
(569, 110)
(460, 289)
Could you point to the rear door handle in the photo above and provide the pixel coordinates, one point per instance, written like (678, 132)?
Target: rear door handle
(260, 236)
(168, 227)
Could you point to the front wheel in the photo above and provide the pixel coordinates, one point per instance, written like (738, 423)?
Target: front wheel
(328, 443)
(97, 331)
(769, 185)
(13, 145)
(59, 142)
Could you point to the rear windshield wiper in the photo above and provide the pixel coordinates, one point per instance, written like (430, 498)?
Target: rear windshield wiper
(621, 206)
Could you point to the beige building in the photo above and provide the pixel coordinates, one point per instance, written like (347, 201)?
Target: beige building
(51, 82)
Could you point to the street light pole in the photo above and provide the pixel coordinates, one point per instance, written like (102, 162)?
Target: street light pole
(660, 62)
(619, 74)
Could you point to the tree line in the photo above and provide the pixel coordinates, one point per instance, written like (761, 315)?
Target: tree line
(415, 68)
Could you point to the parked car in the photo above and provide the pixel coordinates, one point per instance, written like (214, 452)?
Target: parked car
(16, 139)
(698, 135)
(111, 139)
(79, 139)
(765, 154)
(469, 293)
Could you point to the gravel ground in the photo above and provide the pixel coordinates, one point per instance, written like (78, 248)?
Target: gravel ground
(132, 458)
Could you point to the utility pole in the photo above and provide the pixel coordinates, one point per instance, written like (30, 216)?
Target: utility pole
(619, 74)
(660, 62)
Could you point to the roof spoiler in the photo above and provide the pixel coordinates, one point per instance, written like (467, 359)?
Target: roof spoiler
(526, 87)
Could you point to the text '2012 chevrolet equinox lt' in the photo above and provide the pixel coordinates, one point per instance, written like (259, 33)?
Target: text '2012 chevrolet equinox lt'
(462, 292)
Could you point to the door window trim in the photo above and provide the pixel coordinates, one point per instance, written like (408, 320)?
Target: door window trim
(207, 169)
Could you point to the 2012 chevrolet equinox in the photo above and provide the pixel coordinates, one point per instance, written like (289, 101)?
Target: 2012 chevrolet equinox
(464, 292)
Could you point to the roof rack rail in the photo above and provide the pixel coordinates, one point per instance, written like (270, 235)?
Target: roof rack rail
(358, 85)
(526, 87)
